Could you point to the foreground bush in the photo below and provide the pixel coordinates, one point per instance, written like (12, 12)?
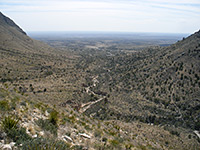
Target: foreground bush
(13, 131)
(44, 144)
(19, 135)
(8, 123)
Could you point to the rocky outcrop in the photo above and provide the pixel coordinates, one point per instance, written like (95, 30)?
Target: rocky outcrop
(7, 146)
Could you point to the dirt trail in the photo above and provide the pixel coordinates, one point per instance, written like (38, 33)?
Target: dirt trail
(86, 106)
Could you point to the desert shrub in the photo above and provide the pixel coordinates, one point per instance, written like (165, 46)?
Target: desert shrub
(197, 126)
(189, 136)
(72, 119)
(128, 146)
(53, 118)
(23, 103)
(48, 73)
(18, 135)
(87, 127)
(99, 146)
(113, 133)
(44, 144)
(104, 139)
(39, 105)
(4, 105)
(3, 93)
(115, 143)
(47, 126)
(172, 131)
(142, 147)
(77, 147)
(3, 80)
(97, 133)
(8, 123)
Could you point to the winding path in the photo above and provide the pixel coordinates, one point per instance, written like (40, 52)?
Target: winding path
(86, 106)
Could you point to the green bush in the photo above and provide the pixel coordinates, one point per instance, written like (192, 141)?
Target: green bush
(53, 118)
(18, 135)
(9, 123)
(4, 105)
(48, 73)
(115, 143)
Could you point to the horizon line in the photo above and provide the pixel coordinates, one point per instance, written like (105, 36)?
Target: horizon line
(129, 32)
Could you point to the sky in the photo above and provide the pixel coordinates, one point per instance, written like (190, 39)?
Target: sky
(164, 16)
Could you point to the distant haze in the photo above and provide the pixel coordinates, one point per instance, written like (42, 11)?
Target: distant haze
(93, 34)
(120, 38)
(165, 16)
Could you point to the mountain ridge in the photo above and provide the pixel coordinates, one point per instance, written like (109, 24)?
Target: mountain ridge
(7, 21)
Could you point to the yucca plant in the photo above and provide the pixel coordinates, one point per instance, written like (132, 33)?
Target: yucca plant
(9, 123)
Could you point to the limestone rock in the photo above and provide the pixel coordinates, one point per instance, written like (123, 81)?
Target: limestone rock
(85, 135)
(67, 138)
(7, 147)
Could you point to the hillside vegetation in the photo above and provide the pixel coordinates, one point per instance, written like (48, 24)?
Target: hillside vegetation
(62, 98)
(159, 85)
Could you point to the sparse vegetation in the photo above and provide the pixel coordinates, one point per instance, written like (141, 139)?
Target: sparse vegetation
(115, 94)
(45, 144)
(47, 126)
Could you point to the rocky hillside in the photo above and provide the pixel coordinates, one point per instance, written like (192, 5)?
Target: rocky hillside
(54, 99)
(156, 85)
(161, 82)
(27, 124)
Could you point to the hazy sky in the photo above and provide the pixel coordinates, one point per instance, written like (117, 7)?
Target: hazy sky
(178, 16)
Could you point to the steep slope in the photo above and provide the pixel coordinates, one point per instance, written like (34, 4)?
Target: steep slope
(5, 21)
(12, 37)
(159, 85)
(23, 57)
